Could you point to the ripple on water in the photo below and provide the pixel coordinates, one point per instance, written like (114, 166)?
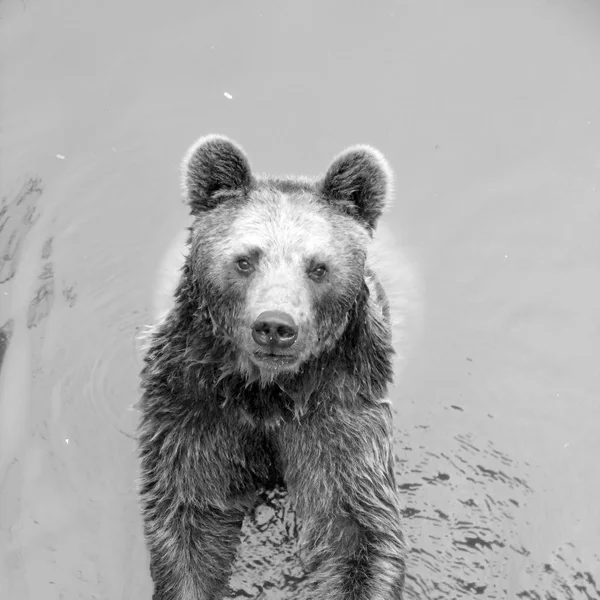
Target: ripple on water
(91, 382)
(103, 378)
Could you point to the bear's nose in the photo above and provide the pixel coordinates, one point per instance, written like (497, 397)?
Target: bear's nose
(274, 328)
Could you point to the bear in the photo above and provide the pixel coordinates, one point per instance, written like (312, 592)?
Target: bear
(270, 366)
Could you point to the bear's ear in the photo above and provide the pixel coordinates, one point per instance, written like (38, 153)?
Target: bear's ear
(359, 182)
(212, 165)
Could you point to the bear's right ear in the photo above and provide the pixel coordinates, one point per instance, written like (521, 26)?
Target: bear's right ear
(212, 165)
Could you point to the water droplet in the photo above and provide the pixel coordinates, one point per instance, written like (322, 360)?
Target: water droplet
(227, 95)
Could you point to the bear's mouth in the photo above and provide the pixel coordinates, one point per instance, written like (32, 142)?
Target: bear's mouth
(273, 360)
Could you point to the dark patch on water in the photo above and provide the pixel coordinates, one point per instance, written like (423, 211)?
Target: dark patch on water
(6, 332)
(43, 300)
(17, 216)
(69, 295)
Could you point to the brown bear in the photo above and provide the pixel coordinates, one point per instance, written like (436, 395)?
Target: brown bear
(271, 367)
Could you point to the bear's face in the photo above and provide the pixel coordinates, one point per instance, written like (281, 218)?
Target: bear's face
(280, 261)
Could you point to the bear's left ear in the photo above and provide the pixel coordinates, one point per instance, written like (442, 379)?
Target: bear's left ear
(359, 182)
(212, 165)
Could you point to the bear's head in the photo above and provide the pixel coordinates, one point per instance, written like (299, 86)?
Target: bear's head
(278, 264)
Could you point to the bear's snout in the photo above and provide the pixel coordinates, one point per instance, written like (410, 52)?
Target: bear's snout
(274, 329)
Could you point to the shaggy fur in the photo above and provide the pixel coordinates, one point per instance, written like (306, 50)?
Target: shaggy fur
(218, 423)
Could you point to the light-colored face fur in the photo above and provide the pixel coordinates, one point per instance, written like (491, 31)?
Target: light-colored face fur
(284, 235)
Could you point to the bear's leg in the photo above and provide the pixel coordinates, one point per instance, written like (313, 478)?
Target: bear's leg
(339, 472)
(191, 552)
(192, 522)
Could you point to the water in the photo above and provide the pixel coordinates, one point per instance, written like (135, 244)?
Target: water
(490, 115)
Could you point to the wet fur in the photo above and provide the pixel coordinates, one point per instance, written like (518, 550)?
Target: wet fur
(214, 431)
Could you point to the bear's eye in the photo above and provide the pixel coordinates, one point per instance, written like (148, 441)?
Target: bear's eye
(244, 265)
(318, 272)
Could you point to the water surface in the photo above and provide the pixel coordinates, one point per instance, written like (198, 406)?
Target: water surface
(490, 116)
